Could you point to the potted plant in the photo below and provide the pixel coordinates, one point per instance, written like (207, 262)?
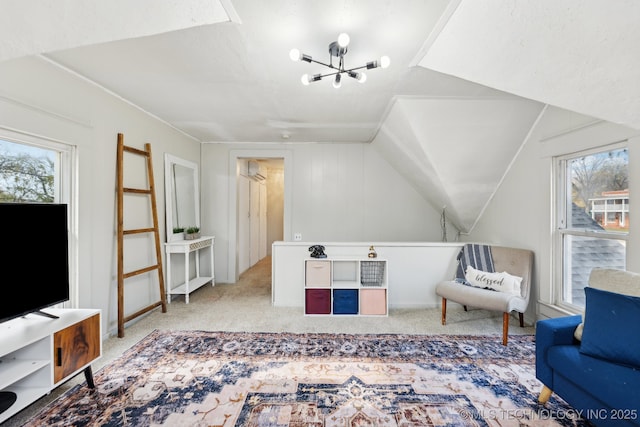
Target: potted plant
(177, 230)
(191, 233)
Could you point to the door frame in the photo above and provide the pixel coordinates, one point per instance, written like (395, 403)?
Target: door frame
(234, 156)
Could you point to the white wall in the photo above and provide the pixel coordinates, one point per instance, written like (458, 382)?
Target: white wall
(39, 98)
(339, 193)
(520, 214)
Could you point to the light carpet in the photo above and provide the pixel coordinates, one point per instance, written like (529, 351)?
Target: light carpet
(196, 378)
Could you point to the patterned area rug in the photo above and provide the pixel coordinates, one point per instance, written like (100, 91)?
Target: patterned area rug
(193, 378)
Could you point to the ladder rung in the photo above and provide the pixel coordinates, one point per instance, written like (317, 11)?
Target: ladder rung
(137, 190)
(143, 311)
(135, 150)
(141, 271)
(139, 230)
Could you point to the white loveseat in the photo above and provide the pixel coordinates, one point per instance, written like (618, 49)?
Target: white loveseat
(517, 262)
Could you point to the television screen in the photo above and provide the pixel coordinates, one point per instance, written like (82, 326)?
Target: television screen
(35, 260)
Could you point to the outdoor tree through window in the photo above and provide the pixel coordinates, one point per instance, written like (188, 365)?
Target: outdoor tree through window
(27, 173)
(593, 217)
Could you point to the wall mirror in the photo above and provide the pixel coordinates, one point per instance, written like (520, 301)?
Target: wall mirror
(182, 197)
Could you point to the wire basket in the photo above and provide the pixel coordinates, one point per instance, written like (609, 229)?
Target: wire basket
(372, 273)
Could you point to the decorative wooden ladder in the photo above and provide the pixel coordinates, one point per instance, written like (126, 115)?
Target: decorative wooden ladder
(122, 318)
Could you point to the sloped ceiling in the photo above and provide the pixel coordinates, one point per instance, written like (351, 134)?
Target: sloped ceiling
(575, 54)
(457, 165)
(234, 81)
(30, 27)
(468, 79)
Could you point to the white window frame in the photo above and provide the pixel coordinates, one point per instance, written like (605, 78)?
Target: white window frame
(65, 191)
(560, 190)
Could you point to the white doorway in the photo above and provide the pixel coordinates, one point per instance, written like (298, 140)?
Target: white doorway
(259, 214)
(260, 208)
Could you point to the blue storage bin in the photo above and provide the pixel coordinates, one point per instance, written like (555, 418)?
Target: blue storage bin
(345, 301)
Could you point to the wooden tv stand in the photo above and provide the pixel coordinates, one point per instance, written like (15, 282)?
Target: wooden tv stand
(38, 353)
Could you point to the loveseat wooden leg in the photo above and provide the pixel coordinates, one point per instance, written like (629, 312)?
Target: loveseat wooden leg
(444, 311)
(545, 394)
(505, 328)
(521, 317)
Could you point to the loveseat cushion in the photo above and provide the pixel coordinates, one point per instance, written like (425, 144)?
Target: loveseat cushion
(610, 327)
(478, 297)
(613, 384)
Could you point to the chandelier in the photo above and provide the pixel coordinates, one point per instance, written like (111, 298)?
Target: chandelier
(337, 49)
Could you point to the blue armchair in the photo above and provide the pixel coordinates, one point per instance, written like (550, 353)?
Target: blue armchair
(596, 369)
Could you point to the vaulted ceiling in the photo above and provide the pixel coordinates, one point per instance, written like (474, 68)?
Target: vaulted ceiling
(467, 82)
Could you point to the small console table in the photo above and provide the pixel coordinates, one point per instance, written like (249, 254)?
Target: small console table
(186, 247)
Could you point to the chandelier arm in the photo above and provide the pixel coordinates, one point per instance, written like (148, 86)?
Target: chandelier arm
(353, 69)
(338, 70)
(331, 74)
(326, 65)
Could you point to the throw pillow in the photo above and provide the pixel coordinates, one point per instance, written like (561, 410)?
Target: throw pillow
(476, 255)
(612, 280)
(610, 327)
(501, 282)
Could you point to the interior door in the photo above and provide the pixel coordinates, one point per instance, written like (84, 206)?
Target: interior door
(244, 234)
(254, 219)
(263, 222)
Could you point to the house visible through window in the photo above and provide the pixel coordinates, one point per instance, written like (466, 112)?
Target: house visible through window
(593, 218)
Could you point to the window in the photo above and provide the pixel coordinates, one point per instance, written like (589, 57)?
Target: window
(27, 173)
(38, 170)
(592, 218)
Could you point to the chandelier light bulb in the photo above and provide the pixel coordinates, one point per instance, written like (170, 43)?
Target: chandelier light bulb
(295, 55)
(337, 83)
(307, 78)
(362, 77)
(385, 61)
(343, 39)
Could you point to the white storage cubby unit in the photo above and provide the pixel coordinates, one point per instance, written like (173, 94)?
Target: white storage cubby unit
(346, 286)
(39, 353)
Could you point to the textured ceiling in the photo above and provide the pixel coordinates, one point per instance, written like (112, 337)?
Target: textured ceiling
(467, 79)
(575, 54)
(234, 81)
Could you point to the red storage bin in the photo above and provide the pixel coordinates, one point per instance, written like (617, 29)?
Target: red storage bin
(317, 301)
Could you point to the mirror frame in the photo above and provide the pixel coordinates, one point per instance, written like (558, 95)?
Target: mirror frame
(169, 185)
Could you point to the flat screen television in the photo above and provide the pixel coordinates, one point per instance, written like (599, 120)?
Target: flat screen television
(35, 259)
